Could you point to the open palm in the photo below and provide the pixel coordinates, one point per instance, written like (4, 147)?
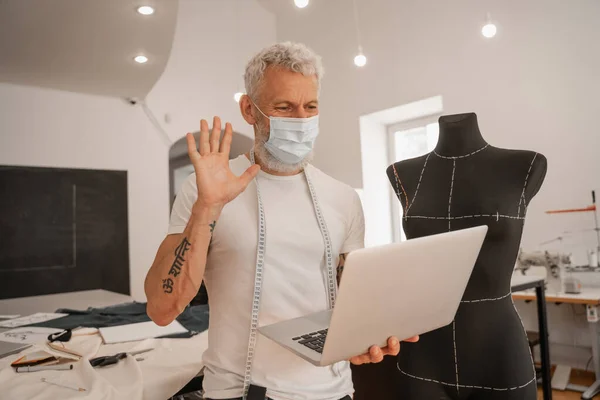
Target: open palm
(217, 185)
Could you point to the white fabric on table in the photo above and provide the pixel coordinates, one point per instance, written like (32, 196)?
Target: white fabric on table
(162, 373)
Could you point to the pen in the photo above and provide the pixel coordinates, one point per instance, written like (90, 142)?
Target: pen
(79, 389)
(35, 368)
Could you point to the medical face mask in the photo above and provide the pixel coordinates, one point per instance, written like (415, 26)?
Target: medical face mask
(291, 139)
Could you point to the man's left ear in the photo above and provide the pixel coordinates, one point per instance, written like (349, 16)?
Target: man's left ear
(246, 110)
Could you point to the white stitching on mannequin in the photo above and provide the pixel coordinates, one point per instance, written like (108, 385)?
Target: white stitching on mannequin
(481, 300)
(455, 356)
(457, 157)
(451, 189)
(425, 165)
(495, 216)
(399, 186)
(418, 184)
(466, 386)
(525, 332)
(449, 229)
(457, 385)
(449, 218)
(524, 206)
(522, 198)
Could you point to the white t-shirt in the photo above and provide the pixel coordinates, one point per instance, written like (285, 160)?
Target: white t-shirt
(294, 279)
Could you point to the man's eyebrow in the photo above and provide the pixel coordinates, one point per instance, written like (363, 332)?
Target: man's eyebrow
(281, 101)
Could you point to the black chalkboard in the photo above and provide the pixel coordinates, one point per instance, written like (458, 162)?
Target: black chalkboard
(62, 230)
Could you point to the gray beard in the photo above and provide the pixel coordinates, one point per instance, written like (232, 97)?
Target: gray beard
(272, 163)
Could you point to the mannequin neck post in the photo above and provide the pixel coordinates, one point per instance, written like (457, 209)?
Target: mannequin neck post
(459, 135)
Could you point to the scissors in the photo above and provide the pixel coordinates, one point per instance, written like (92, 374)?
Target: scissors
(109, 360)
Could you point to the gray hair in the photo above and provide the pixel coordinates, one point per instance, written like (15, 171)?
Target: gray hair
(292, 56)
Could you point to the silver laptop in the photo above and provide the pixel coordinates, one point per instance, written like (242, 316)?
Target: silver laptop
(418, 282)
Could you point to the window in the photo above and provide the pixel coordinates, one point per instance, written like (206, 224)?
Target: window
(409, 141)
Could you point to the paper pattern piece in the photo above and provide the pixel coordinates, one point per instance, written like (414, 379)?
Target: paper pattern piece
(31, 335)
(139, 331)
(10, 316)
(30, 319)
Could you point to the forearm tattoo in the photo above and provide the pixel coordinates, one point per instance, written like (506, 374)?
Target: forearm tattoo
(175, 270)
(167, 285)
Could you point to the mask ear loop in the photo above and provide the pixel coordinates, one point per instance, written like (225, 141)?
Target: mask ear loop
(259, 110)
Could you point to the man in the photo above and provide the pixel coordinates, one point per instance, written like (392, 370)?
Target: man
(214, 235)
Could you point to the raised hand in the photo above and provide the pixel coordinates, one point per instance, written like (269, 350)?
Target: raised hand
(217, 185)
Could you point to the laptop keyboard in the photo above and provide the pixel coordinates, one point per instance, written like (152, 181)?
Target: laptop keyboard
(314, 341)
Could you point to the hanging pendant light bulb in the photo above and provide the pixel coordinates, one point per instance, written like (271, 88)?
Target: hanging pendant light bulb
(360, 60)
(489, 30)
(301, 3)
(236, 44)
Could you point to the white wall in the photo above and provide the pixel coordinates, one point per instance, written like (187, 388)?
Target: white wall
(43, 127)
(534, 86)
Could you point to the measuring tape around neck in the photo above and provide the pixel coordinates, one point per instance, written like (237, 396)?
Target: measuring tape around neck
(260, 261)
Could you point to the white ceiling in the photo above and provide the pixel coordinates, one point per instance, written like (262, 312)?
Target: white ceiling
(275, 6)
(85, 46)
(279, 7)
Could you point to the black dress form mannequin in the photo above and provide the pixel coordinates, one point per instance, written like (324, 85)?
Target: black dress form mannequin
(484, 353)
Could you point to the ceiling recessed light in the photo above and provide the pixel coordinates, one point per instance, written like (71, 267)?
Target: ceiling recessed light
(301, 3)
(238, 96)
(141, 59)
(145, 10)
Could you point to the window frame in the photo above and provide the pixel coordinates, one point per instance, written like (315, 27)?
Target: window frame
(398, 234)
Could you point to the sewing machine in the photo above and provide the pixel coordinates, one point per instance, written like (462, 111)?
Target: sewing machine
(558, 266)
